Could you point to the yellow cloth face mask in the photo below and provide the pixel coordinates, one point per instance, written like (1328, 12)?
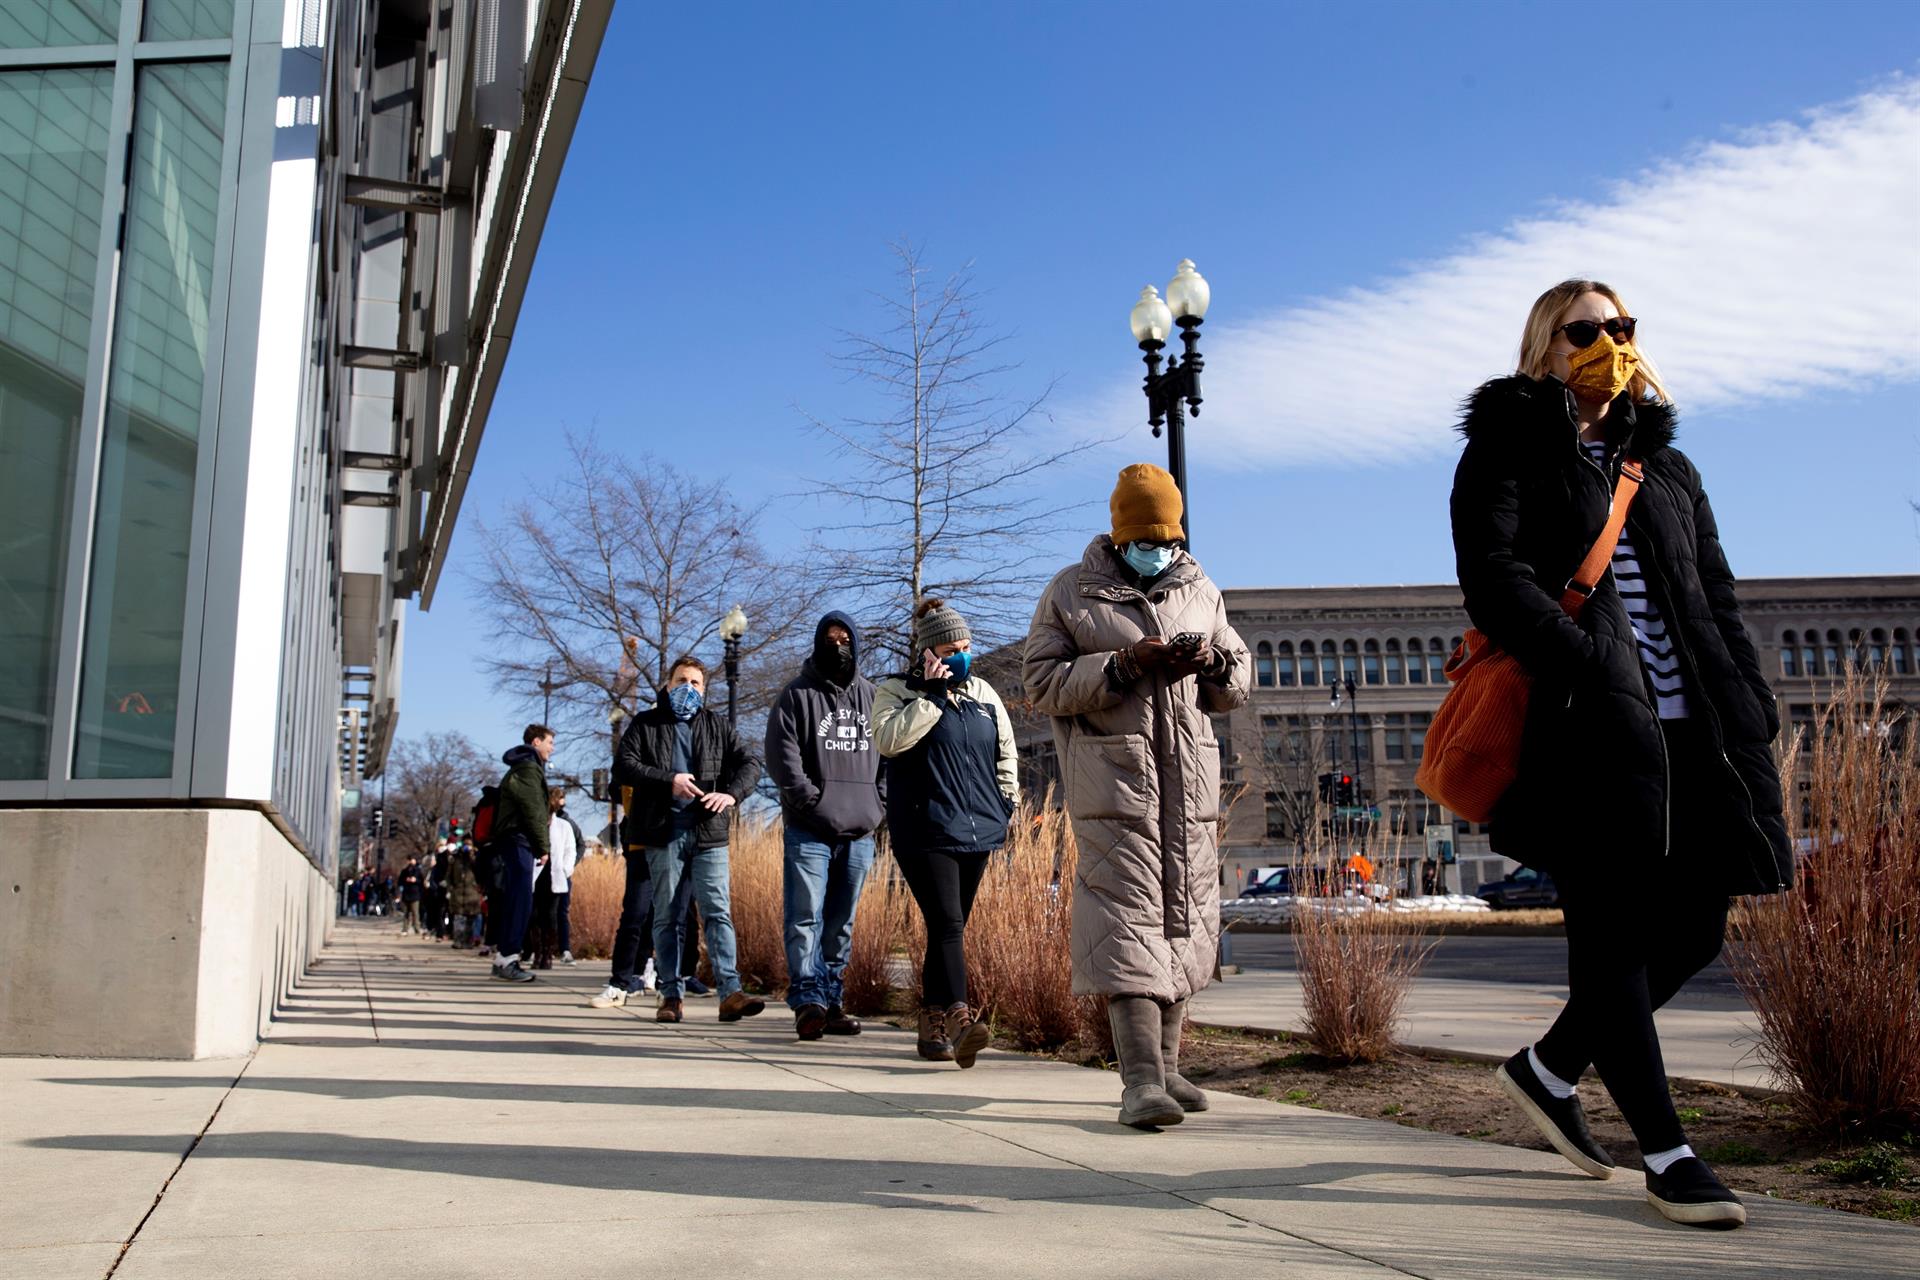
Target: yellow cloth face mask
(1602, 369)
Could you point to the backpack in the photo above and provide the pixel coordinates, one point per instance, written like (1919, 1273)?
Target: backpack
(484, 813)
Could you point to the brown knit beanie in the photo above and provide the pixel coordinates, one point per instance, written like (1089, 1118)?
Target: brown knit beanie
(1146, 506)
(935, 624)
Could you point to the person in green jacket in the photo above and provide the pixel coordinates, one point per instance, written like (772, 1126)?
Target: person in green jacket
(520, 845)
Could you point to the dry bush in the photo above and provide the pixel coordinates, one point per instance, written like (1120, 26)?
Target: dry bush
(1833, 968)
(1357, 958)
(598, 884)
(757, 860)
(884, 924)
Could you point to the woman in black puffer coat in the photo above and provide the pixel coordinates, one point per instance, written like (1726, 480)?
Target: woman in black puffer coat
(1647, 784)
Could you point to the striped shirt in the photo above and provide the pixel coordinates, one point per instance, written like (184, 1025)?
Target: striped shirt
(1649, 628)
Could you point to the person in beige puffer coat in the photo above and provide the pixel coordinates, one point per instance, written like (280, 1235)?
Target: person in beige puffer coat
(1130, 653)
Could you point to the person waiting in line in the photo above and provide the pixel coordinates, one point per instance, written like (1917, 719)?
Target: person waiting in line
(561, 870)
(952, 786)
(543, 922)
(687, 769)
(409, 880)
(833, 790)
(520, 847)
(1130, 654)
(463, 896)
(1645, 754)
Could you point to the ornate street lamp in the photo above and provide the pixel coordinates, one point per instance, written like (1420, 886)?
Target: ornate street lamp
(1171, 394)
(732, 627)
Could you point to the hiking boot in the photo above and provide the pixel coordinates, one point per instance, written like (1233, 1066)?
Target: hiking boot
(511, 972)
(1689, 1192)
(1561, 1121)
(839, 1024)
(810, 1021)
(740, 1005)
(932, 1042)
(1190, 1096)
(611, 998)
(969, 1035)
(669, 1010)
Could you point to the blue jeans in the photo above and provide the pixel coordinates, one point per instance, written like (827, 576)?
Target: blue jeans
(711, 891)
(823, 883)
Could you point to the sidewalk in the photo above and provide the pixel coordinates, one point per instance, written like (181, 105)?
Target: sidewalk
(412, 1118)
(1494, 1019)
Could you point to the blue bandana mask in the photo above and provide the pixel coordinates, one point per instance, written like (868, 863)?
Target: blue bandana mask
(685, 701)
(1148, 562)
(958, 665)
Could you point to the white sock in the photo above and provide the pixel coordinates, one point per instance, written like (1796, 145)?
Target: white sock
(501, 962)
(1659, 1161)
(1552, 1083)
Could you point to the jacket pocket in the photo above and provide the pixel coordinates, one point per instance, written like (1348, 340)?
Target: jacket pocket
(1206, 783)
(1108, 776)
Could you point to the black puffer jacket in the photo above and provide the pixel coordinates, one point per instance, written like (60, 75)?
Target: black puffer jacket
(645, 763)
(1527, 503)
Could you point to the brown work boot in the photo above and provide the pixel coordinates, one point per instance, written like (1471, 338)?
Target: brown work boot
(969, 1035)
(839, 1024)
(669, 1010)
(933, 1043)
(740, 1005)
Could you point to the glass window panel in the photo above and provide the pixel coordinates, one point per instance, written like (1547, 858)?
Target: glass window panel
(53, 163)
(49, 24)
(130, 670)
(188, 20)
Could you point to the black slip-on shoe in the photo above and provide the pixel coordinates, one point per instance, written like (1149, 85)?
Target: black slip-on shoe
(1690, 1192)
(810, 1021)
(1559, 1120)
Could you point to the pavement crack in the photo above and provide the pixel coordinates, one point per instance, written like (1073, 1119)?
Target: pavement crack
(185, 1156)
(366, 991)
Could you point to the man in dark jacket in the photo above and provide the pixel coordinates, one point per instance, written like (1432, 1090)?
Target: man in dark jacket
(409, 881)
(520, 845)
(687, 769)
(832, 795)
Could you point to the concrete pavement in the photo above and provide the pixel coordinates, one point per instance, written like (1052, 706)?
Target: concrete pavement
(409, 1117)
(1713, 1043)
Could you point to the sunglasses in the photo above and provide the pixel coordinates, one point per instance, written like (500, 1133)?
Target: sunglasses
(1584, 333)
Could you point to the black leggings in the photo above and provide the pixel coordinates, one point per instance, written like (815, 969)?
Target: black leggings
(944, 884)
(1636, 932)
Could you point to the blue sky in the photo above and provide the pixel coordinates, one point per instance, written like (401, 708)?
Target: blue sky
(1374, 191)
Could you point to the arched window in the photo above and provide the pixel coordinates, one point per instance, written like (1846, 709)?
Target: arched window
(1284, 661)
(1370, 661)
(1350, 660)
(1900, 662)
(1789, 657)
(1830, 653)
(1437, 661)
(1329, 663)
(1877, 648)
(1263, 665)
(1396, 664)
(1856, 648)
(1309, 669)
(1810, 654)
(1416, 662)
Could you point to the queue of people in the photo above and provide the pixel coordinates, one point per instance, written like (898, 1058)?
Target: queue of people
(1644, 689)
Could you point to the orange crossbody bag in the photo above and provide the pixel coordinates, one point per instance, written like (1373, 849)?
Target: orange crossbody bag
(1473, 746)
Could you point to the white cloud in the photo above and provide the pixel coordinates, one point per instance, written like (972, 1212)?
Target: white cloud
(1781, 263)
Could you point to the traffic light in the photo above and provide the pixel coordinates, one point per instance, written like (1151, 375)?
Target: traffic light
(600, 785)
(379, 822)
(1326, 788)
(1345, 794)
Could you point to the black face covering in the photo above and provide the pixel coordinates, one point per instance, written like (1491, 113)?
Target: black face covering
(835, 661)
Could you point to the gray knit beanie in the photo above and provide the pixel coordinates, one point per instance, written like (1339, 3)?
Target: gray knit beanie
(935, 624)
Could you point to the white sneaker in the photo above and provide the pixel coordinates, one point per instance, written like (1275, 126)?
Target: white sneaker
(611, 998)
(647, 976)
(566, 957)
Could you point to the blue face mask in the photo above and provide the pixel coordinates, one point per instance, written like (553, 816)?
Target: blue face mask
(958, 664)
(685, 701)
(1147, 561)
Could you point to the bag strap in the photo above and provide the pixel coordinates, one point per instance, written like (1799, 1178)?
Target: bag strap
(1586, 579)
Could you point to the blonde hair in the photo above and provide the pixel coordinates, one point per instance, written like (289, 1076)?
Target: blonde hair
(1549, 308)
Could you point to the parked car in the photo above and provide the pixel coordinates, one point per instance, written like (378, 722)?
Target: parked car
(1524, 888)
(1276, 883)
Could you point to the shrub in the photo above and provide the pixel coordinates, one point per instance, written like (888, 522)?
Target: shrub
(1832, 968)
(593, 911)
(883, 924)
(757, 860)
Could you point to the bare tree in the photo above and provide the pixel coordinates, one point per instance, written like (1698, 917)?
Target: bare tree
(943, 494)
(1286, 770)
(605, 577)
(429, 780)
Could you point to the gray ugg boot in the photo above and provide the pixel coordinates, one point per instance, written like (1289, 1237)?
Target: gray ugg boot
(1144, 1103)
(1183, 1091)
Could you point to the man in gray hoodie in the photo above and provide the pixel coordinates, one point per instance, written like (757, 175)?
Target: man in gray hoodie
(820, 754)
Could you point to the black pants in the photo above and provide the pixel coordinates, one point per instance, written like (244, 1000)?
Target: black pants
(944, 884)
(562, 904)
(1637, 930)
(513, 900)
(633, 940)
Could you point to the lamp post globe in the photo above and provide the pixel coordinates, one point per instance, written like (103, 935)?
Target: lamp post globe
(1150, 319)
(1188, 292)
(732, 627)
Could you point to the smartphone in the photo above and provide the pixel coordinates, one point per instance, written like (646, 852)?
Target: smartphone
(1189, 640)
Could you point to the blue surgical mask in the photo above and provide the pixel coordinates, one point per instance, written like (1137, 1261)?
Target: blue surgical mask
(958, 664)
(685, 701)
(1148, 561)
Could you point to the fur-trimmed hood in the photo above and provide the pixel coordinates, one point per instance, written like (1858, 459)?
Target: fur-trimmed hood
(1521, 409)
